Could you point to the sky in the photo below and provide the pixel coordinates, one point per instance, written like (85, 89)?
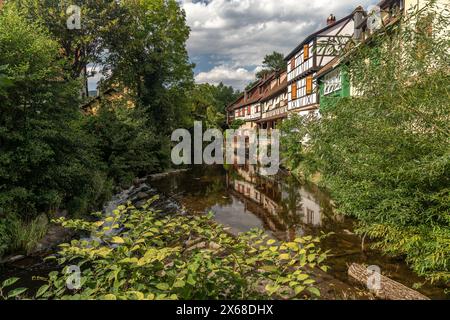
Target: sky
(229, 38)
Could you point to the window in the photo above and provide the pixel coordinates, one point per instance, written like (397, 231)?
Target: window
(249, 110)
(294, 91)
(309, 84)
(305, 52)
(332, 82)
(293, 63)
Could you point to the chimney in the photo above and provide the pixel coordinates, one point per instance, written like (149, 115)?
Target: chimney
(358, 18)
(331, 20)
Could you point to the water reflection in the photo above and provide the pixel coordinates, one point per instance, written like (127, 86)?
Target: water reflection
(284, 206)
(241, 198)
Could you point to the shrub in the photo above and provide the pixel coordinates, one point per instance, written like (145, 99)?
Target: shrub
(181, 257)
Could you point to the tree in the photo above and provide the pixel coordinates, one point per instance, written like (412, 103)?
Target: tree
(126, 146)
(148, 56)
(272, 63)
(45, 159)
(99, 18)
(224, 95)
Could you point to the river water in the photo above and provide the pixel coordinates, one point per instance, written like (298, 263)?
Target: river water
(242, 199)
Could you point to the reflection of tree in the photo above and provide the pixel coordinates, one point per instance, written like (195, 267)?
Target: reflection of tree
(291, 206)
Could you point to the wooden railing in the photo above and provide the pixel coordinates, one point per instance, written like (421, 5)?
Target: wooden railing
(281, 110)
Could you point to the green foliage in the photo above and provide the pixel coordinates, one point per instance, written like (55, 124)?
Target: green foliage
(181, 257)
(5, 237)
(148, 55)
(12, 294)
(45, 159)
(293, 132)
(126, 145)
(208, 104)
(385, 154)
(236, 124)
(80, 47)
(20, 236)
(271, 63)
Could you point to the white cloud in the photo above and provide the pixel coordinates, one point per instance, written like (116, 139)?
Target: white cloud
(236, 77)
(240, 32)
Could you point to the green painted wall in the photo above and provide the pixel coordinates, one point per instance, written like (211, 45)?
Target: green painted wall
(329, 100)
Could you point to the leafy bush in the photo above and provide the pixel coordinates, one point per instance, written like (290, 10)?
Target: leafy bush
(5, 238)
(127, 147)
(385, 154)
(181, 257)
(236, 124)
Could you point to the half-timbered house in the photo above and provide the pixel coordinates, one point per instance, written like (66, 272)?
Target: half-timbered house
(310, 56)
(274, 101)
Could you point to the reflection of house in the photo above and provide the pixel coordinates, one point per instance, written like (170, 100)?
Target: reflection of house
(312, 212)
(271, 194)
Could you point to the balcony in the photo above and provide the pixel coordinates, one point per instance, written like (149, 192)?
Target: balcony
(280, 110)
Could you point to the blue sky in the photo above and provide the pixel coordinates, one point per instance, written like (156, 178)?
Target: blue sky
(229, 38)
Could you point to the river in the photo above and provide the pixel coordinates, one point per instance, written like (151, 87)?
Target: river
(242, 199)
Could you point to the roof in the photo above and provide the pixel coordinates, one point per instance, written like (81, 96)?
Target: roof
(256, 98)
(276, 89)
(330, 66)
(235, 101)
(315, 34)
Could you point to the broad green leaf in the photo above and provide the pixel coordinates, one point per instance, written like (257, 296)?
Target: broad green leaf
(179, 284)
(314, 291)
(42, 290)
(284, 256)
(9, 282)
(16, 292)
(117, 240)
(299, 289)
(162, 286)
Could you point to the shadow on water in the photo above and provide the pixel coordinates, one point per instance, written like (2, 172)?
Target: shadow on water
(242, 199)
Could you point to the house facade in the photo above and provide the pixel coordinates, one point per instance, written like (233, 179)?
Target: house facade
(247, 107)
(274, 101)
(334, 80)
(312, 54)
(334, 83)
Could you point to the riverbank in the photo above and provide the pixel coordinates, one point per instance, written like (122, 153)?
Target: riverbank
(56, 234)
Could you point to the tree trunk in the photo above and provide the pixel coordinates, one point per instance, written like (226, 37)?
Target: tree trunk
(381, 286)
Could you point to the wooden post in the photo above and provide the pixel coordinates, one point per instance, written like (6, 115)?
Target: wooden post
(389, 289)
